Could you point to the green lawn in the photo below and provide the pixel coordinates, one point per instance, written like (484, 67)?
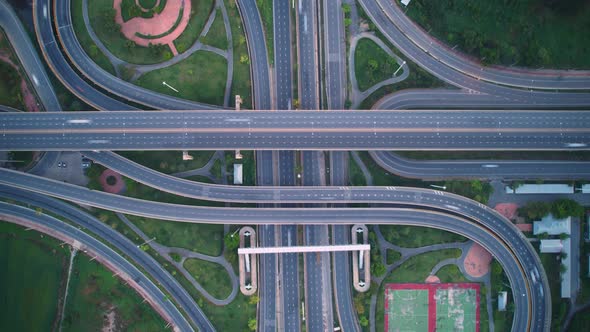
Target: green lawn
(168, 161)
(241, 82)
(265, 8)
(109, 32)
(94, 293)
(213, 277)
(451, 273)
(201, 77)
(29, 303)
(415, 269)
(559, 305)
(531, 33)
(84, 38)
(216, 36)
(499, 281)
(496, 155)
(200, 11)
(413, 236)
(581, 321)
(24, 158)
(203, 238)
(372, 64)
(232, 317)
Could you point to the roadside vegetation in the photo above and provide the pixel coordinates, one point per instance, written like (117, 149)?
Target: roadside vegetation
(418, 77)
(201, 77)
(203, 238)
(414, 237)
(355, 174)
(265, 8)
(248, 162)
(85, 40)
(168, 162)
(200, 11)
(529, 33)
(560, 209)
(216, 36)
(99, 301)
(30, 303)
(15, 81)
(212, 276)
(241, 82)
(372, 64)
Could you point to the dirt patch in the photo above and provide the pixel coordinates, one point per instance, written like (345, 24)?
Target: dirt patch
(432, 279)
(477, 262)
(165, 25)
(110, 321)
(108, 176)
(508, 210)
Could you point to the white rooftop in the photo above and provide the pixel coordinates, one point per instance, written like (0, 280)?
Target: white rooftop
(552, 226)
(502, 300)
(551, 246)
(566, 277)
(405, 2)
(544, 189)
(238, 174)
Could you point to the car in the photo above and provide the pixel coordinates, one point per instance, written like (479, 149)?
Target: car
(59, 164)
(64, 165)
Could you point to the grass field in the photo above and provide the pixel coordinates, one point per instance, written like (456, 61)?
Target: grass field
(203, 238)
(29, 303)
(372, 64)
(216, 36)
(168, 161)
(109, 32)
(213, 277)
(84, 38)
(200, 77)
(95, 293)
(392, 256)
(530, 33)
(413, 237)
(407, 310)
(241, 82)
(200, 11)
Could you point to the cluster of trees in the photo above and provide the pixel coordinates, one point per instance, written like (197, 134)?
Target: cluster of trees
(474, 189)
(378, 269)
(560, 209)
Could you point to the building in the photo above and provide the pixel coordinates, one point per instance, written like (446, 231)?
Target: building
(542, 189)
(238, 174)
(566, 277)
(406, 2)
(502, 300)
(551, 246)
(552, 226)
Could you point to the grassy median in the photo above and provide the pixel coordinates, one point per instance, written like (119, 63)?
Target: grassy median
(212, 276)
(372, 64)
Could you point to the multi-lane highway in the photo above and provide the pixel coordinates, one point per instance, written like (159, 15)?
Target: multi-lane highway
(482, 169)
(122, 244)
(263, 130)
(413, 206)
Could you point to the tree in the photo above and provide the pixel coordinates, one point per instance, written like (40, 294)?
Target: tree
(254, 299)
(373, 64)
(252, 324)
(347, 22)
(564, 236)
(244, 59)
(378, 269)
(364, 321)
(564, 208)
(346, 8)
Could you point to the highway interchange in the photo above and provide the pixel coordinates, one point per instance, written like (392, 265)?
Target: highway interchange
(332, 130)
